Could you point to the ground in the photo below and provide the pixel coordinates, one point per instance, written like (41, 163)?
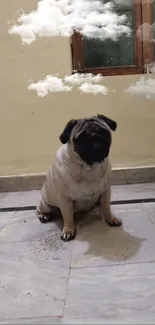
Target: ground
(105, 276)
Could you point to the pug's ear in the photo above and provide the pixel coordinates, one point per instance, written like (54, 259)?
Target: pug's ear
(65, 135)
(112, 124)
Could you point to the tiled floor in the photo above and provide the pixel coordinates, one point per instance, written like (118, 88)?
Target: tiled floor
(105, 276)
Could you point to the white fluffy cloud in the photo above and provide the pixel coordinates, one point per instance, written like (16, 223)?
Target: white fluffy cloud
(93, 19)
(144, 87)
(54, 84)
(49, 84)
(79, 78)
(93, 89)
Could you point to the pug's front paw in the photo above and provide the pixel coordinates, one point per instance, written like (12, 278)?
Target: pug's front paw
(44, 218)
(113, 221)
(68, 233)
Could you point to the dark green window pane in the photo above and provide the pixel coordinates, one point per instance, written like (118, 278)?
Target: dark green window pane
(110, 53)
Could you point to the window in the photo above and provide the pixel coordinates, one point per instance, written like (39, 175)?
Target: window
(128, 55)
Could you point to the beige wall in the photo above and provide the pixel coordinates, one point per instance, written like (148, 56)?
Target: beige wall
(30, 126)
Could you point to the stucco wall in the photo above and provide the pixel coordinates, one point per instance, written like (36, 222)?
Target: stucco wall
(30, 126)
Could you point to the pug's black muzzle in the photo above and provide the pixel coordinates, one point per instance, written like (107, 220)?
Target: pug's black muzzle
(92, 147)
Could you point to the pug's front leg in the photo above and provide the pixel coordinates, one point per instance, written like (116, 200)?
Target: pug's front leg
(105, 210)
(69, 231)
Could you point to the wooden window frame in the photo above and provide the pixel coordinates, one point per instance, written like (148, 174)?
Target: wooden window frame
(142, 13)
(147, 46)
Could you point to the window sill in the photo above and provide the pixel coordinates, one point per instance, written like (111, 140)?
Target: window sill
(114, 71)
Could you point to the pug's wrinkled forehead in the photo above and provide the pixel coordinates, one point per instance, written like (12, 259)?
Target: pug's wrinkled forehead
(74, 126)
(91, 122)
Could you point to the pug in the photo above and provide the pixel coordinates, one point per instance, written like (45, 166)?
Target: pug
(80, 175)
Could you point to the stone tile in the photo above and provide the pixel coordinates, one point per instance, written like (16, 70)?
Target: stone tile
(118, 177)
(133, 175)
(136, 175)
(25, 226)
(118, 316)
(149, 208)
(113, 294)
(4, 218)
(27, 182)
(131, 208)
(98, 244)
(20, 199)
(2, 195)
(36, 321)
(33, 278)
(151, 216)
(134, 191)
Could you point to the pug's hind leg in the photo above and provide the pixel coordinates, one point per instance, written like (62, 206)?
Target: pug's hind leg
(69, 231)
(44, 211)
(105, 210)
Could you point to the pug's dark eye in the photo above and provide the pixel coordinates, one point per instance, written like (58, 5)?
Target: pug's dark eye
(93, 144)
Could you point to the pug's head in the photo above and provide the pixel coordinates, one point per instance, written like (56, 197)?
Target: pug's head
(89, 137)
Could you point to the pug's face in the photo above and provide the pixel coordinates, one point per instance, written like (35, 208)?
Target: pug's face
(90, 137)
